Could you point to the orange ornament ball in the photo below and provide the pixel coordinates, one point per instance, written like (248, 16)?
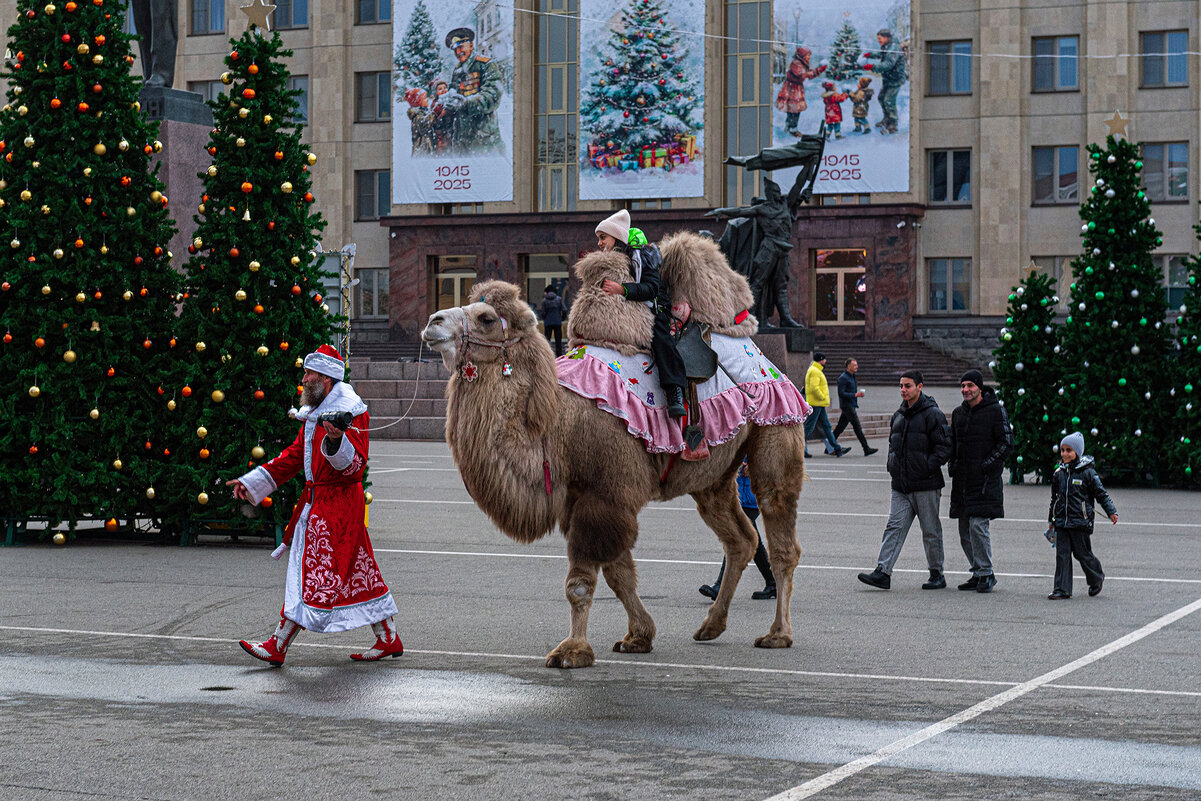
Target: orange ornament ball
(258, 308)
(234, 253)
(83, 107)
(99, 40)
(55, 103)
(308, 197)
(78, 243)
(279, 155)
(295, 289)
(110, 524)
(71, 7)
(112, 371)
(39, 343)
(212, 151)
(97, 88)
(253, 69)
(283, 346)
(233, 56)
(97, 294)
(8, 338)
(204, 453)
(259, 394)
(146, 343)
(248, 93)
(143, 291)
(247, 187)
(186, 392)
(126, 180)
(267, 502)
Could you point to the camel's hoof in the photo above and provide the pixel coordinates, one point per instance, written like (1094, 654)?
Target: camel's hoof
(709, 631)
(774, 641)
(571, 655)
(632, 645)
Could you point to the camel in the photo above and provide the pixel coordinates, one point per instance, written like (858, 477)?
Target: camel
(534, 455)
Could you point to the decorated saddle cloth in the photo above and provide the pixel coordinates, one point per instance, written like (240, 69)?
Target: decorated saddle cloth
(621, 386)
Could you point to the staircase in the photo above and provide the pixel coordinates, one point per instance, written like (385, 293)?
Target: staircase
(407, 397)
(881, 363)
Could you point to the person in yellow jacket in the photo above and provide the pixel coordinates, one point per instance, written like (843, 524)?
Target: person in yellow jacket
(817, 392)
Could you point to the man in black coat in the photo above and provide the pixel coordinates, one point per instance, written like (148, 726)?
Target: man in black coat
(848, 403)
(918, 446)
(981, 440)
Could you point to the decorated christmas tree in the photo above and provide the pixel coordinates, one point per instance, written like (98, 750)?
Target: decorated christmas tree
(844, 52)
(1184, 444)
(255, 306)
(642, 96)
(87, 292)
(1114, 343)
(415, 63)
(1027, 370)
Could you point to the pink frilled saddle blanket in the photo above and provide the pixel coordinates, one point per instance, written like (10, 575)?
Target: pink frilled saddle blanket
(621, 386)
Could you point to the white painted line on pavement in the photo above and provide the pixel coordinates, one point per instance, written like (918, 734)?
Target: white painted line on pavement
(375, 471)
(833, 777)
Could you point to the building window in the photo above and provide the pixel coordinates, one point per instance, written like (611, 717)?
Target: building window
(950, 282)
(651, 203)
(1164, 58)
(1058, 268)
(556, 86)
(1055, 175)
(1175, 273)
(369, 12)
(373, 96)
(447, 209)
(208, 16)
(372, 193)
(951, 177)
(453, 278)
(300, 83)
(547, 269)
(290, 14)
(372, 293)
(1165, 171)
(862, 199)
(840, 286)
(950, 68)
(209, 90)
(1055, 63)
(750, 62)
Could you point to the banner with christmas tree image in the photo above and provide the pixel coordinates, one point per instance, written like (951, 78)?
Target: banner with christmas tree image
(847, 64)
(641, 99)
(452, 102)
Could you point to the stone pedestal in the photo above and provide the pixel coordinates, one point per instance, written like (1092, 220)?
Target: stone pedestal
(184, 126)
(790, 349)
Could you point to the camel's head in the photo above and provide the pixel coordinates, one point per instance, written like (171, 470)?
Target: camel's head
(494, 313)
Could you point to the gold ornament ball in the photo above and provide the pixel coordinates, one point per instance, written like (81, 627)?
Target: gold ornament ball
(202, 432)
(262, 350)
(198, 243)
(212, 171)
(22, 110)
(254, 266)
(311, 158)
(117, 464)
(227, 78)
(94, 414)
(243, 113)
(200, 346)
(104, 250)
(127, 295)
(200, 208)
(299, 361)
(368, 497)
(26, 195)
(100, 149)
(158, 146)
(87, 171)
(34, 391)
(58, 253)
(156, 196)
(59, 538)
(240, 142)
(29, 141)
(286, 187)
(171, 405)
(3, 184)
(15, 243)
(123, 145)
(69, 357)
(80, 297)
(98, 59)
(130, 211)
(150, 493)
(202, 498)
(257, 452)
(46, 290)
(217, 396)
(267, 119)
(295, 260)
(50, 8)
(83, 50)
(225, 358)
(46, 210)
(240, 295)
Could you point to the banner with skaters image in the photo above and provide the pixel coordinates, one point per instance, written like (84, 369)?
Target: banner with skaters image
(847, 64)
(642, 99)
(451, 102)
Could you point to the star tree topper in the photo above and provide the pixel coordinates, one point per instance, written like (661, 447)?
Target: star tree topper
(257, 13)
(1117, 124)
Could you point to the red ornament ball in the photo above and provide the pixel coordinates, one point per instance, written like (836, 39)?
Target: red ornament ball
(259, 394)
(247, 187)
(186, 392)
(248, 93)
(625, 113)
(234, 253)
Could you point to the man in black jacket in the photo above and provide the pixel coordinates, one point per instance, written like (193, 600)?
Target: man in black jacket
(918, 446)
(981, 440)
(848, 403)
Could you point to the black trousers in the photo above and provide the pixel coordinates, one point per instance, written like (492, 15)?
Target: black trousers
(850, 415)
(557, 330)
(761, 560)
(1075, 542)
(667, 357)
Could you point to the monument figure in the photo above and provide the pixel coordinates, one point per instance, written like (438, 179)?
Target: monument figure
(758, 237)
(156, 22)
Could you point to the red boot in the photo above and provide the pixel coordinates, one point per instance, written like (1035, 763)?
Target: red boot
(386, 643)
(274, 648)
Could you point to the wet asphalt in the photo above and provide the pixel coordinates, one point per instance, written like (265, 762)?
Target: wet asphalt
(121, 678)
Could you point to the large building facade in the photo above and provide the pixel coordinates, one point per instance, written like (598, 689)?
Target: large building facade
(1002, 102)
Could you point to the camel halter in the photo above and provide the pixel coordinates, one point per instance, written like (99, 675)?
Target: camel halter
(467, 369)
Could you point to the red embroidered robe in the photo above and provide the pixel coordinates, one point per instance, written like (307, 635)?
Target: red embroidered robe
(334, 583)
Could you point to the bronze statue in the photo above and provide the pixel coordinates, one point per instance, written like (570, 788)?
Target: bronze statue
(156, 24)
(757, 240)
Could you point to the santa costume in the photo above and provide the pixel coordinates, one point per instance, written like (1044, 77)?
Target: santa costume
(334, 583)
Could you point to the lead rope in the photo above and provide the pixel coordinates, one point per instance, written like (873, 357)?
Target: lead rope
(413, 400)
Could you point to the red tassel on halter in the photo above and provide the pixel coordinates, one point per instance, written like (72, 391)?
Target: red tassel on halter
(546, 475)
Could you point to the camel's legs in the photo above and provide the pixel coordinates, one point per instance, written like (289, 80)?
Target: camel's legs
(778, 505)
(719, 508)
(622, 576)
(575, 651)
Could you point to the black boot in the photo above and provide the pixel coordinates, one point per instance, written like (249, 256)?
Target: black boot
(937, 581)
(877, 578)
(710, 590)
(786, 320)
(764, 565)
(675, 402)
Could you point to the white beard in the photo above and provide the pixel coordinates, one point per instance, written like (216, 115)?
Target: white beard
(312, 395)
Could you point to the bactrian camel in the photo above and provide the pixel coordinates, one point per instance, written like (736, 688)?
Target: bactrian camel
(534, 455)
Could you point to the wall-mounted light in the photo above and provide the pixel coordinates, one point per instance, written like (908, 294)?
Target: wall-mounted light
(901, 224)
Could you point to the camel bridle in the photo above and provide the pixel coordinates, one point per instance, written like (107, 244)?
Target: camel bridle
(466, 368)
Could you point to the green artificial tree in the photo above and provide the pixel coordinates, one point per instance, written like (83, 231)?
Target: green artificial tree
(1026, 366)
(1184, 444)
(642, 96)
(87, 292)
(254, 306)
(1114, 343)
(844, 53)
(416, 63)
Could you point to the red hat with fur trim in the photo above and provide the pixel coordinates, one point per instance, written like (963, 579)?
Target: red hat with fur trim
(327, 361)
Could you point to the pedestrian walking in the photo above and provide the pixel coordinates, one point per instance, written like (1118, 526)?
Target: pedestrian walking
(849, 394)
(750, 507)
(817, 393)
(552, 318)
(334, 583)
(981, 440)
(1075, 487)
(919, 444)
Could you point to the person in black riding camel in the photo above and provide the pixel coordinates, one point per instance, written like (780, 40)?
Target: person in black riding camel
(614, 233)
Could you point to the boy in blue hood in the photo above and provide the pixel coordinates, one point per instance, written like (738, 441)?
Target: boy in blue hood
(1075, 487)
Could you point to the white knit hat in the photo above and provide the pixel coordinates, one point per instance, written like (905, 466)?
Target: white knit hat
(327, 361)
(616, 225)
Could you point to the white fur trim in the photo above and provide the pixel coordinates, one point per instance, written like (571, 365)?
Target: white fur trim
(258, 483)
(341, 458)
(341, 398)
(326, 365)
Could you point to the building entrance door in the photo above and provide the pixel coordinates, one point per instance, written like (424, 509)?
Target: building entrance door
(453, 278)
(840, 286)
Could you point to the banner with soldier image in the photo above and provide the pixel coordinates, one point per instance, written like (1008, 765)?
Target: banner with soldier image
(452, 102)
(642, 99)
(845, 64)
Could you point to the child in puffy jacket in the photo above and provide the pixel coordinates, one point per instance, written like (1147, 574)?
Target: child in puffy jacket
(1075, 487)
